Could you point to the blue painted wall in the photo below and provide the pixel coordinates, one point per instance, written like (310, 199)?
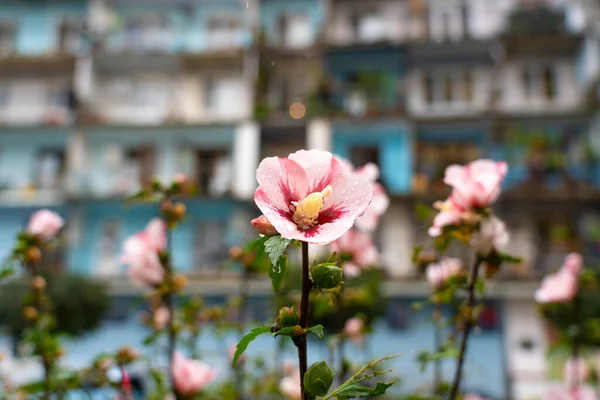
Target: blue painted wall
(271, 11)
(19, 152)
(37, 23)
(395, 143)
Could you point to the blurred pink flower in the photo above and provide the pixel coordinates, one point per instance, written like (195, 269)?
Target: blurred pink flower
(357, 249)
(161, 318)
(45, 224)
(573, 263)
(263, 226)
(558, 391)
(449, 215)
(557, 288)
(379, 204)
(354, 329)
(439, 273)
(190, 376)
(310, 196)
(477, 184)
(231, 353)
(492, 235)
(290, 367)
(575, 371)
(180, 178)
(289, 386)
(140, 252)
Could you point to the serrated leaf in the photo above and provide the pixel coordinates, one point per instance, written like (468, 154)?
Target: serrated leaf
(355, 390)
(277, 273)
(245, 341)
(275, 246)
(317, 330)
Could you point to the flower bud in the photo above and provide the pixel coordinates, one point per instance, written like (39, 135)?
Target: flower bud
(326, 276)
(263, 226)
(287, 317)
(236, 253)
(126, 354)
(30, 313)
(318, 379)
(166, 206)
(178, 211)
(179, 281)
(32, 255)
(38, 283)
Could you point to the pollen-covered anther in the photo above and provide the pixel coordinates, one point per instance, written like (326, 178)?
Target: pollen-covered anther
(306, 212)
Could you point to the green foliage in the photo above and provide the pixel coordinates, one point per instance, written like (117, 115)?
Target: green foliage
(326, 275)
(447, 350)
(317, 330)
(275, 248)
(318, 379)
(245, 341)
(79, 303)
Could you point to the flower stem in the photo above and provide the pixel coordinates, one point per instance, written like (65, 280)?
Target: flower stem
(468, 327)
(304, 304)
(37, 304)
(243, 294)
(168, 299)
(576, 343)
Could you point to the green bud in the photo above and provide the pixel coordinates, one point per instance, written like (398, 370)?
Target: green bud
(318, 379)
(287, 317)
(326, 276)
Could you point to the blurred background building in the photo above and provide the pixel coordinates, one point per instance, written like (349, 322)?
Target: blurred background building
(99, 96)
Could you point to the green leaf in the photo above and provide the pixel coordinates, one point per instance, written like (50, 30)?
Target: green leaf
(245, 341)
(151, 338)
(277, 273)
(416, 253)
(287, 331)
(317, 330)
(480, 286)
(504, 257)
(275, 246)
(355, 390)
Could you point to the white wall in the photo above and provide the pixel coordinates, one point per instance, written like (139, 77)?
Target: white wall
(397, 240)
(318, 134)
(526, 367)
(246, 153)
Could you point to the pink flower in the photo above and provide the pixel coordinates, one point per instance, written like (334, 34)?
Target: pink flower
(379, 203)
(575, 371)
(475, 185)
(357, 249)
(557, 288)
(190, 376)
(492, 235)
(45, 224)
(263, 226)
(573, 263)
(310, 196)
(289, 386)
(354, 329)
(161, 318)
(180, 178)
(449, 215)
(290, 367)
(562, 392)
(439, 273)
(140, 252)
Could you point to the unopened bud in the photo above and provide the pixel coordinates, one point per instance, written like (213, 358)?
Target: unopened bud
(318, 379)
(236, 253)
(327, 275)
(38, 283)
(30, 313)
(126, 355)
(179, 211)
(287, 317)
(166, 206)
(32, 255)
(263, 226)
(180, 282)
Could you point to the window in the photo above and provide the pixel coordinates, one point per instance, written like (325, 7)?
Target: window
(71, 36)
(139, 167)
(539, 82)
(50, 168)
(223, 31)
(7, 38)
(448, 21)
(362, 155)
(211, 249)
(213, 172)
(433, 158)
(210, 94)
(448, 87)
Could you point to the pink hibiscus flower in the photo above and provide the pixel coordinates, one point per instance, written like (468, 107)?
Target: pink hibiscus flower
(310, 196)
(575, 371)
(289, 387)
(140, 252)
(475, 185)
(573, 263)
(358, 251)
(45, 224)
(557, 288)
(492, 235)
(354, 329)
(190, 376)
(439, 273)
